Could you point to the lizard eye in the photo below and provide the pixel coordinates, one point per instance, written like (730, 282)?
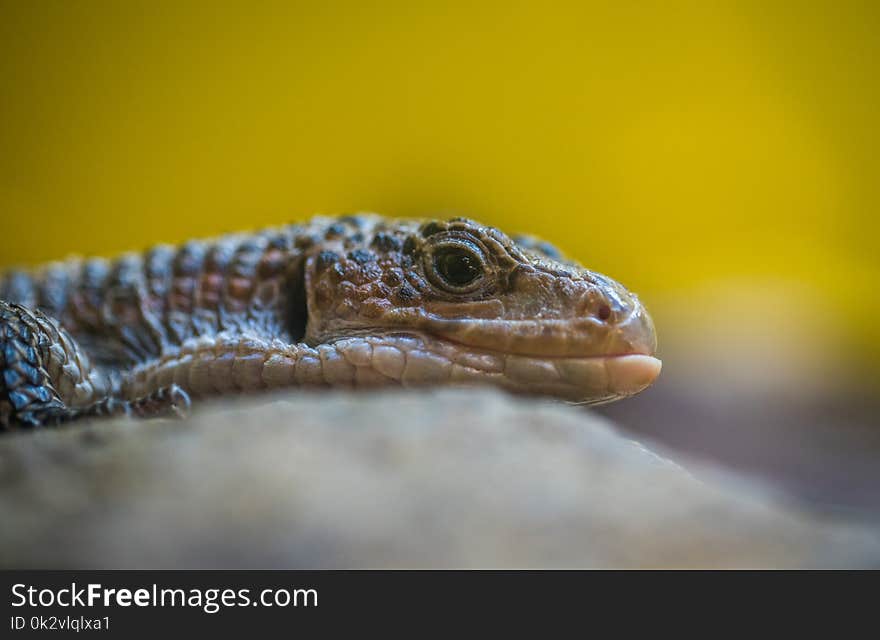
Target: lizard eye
(456, 266)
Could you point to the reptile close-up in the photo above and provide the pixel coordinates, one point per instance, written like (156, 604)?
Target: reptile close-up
(351, 302)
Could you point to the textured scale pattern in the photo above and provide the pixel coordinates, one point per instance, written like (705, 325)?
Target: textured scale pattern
(352, 302)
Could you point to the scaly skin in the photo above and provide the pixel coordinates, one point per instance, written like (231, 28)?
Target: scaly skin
(358, 301)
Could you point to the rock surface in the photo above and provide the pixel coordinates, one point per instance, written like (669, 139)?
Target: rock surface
(397, 479)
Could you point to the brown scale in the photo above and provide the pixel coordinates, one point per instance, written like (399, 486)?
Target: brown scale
(180, 300)
(278, 267)
(207, 318)
(125, 316)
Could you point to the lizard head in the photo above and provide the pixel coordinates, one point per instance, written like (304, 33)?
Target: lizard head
(466, 303)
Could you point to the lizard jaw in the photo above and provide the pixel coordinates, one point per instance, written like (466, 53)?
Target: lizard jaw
(581, 360)
(584, 380)
(415, 359)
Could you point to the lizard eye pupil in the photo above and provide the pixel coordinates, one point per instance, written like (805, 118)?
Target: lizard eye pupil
(457, 266)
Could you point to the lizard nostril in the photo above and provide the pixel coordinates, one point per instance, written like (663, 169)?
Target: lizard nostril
(604, 312)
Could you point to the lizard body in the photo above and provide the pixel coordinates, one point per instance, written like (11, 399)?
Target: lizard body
(357, 301)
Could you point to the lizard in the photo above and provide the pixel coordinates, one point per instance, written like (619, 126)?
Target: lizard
(358, 301)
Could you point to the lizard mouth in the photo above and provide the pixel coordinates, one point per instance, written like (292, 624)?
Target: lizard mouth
(585, 379)
(427, 359)
(418, 359)
(579, 359)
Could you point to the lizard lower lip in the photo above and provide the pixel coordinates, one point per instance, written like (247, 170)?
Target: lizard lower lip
(630, 374)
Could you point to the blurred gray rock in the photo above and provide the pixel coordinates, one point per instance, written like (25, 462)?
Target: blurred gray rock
(441, 479)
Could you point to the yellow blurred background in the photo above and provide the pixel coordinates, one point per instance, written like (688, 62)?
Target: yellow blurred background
(718, 158)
